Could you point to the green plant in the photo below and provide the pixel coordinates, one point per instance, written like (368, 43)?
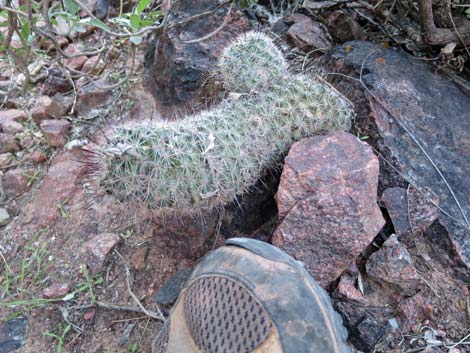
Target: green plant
(59, 337)
(207, 159)
(32, 271)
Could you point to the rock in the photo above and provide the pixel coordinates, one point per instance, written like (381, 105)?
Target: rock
(89, 314)
(13, 334)
(55, 291)
(395, 201)
(96, 249)
(91, 99)
(392, 264)
(170, 291)
(6, 159)
(422, 209)
(327, 203)
(4, 216)
(175, 70)
(344, 26)
(411, 211)
(61, 40)
(8, 143)
(306, 34)
(64, 176)
(347, 289)
(407, 91)
(56, 82)
(38, 156)
(55, 131)
(94, 66)
(414, 309)
(18, 181)
(366, 325)
(75, 63)
(10, 121)
(139, 257)
(47, 107)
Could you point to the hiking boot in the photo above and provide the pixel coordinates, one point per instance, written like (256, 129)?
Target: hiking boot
(250, 297)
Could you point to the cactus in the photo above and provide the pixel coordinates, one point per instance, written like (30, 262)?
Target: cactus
(206, 160)
(251, 62)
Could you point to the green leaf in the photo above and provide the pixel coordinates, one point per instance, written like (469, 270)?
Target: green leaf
(95, 22)
(71, 6)
(142, 5)
(136, 40)
(25, 31)
(145, 23)
(135, 21)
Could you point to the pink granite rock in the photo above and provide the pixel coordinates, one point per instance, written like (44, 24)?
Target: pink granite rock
(97, 248)
(327, 203)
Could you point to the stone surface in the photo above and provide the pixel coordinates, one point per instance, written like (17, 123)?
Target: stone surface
(342, 25)
(4, 216)
(170, 291)
(96, 249)
(347, 289)
(407, 91)
(91, 99)
(50, 107)
(139, 258)
(306, 34)
(55, 291)
(38, 156)
(56, 82)
(395, 201)
(366, 324)
(412, 210)
(414, 309)
(10, 121)
(18, 181)
(13, 334)
(327, 203)
(63, 176)
(77, 62)
(8, 143)
(55, 131)
(392, 264)
(175, 70)
(6, 159)
(93, 66)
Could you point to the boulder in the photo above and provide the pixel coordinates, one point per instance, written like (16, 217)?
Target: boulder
(327, 205)
(176, 69)
(413, 116)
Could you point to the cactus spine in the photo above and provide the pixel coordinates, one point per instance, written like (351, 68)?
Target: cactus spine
(206, 160)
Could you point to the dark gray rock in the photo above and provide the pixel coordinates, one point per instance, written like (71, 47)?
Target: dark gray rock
(13, 334)
(170, 291)
(366, 325)
(434, 110)
(176, 70)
